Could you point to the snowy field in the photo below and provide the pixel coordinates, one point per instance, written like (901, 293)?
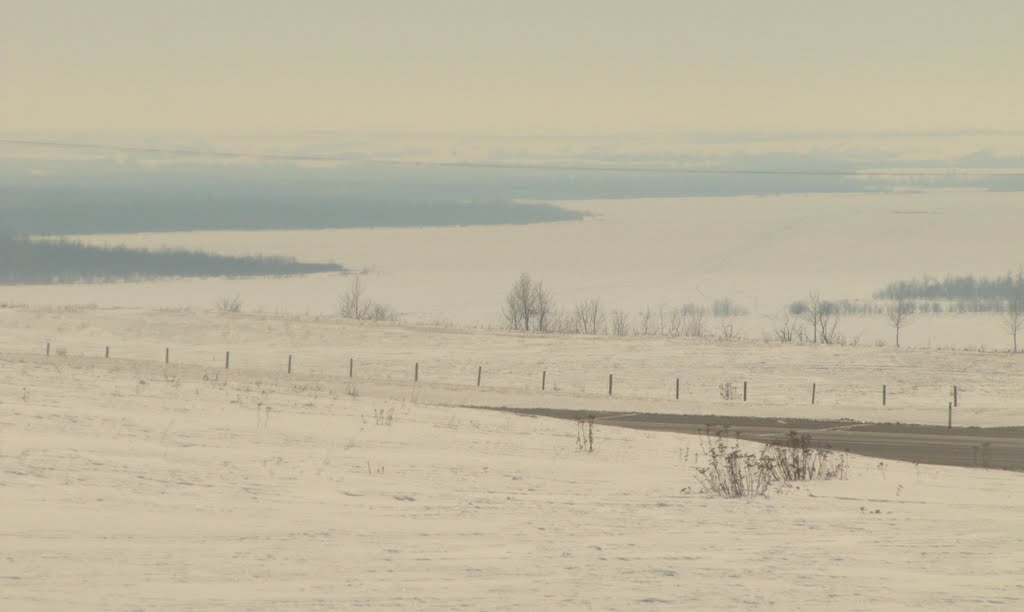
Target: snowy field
(128, 484)
(848, 380)
(762, 252)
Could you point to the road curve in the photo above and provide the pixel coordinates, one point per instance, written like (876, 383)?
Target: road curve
(981, 447)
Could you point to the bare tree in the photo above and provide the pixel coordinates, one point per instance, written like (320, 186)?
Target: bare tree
(645, 323)
(828, 324)
(543, 307)
(693, 322)
(352, 304)
(1013, 317)
(899, 310)
(620, 323)
(528, 306)
(355, 304)
(518, 309)
(588, 317)
(823, 318)
(812, 313)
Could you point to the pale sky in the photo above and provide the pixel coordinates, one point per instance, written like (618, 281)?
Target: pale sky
(511, 67)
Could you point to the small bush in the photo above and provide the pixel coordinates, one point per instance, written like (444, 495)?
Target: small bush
(585, 434)
(230, 304)
(793, 458)
(732, 472)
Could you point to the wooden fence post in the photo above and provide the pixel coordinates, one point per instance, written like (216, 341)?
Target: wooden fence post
(227, 359)
(883, 395)
(543, 379)
(416, 373)
(609, 384)
(289, 364)
(167, 355)
(351, 366)
(47, 349)
(677, 388)
(814, 392)
(479, 374)
(744, 390)
(106, 355)
(950, 424)
(956, 403)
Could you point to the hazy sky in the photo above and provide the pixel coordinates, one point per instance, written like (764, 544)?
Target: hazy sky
(515, 66)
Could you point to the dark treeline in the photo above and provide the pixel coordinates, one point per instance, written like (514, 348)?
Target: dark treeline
(24, 261)
(958, 288)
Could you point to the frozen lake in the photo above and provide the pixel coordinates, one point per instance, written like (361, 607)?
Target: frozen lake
(761, 252)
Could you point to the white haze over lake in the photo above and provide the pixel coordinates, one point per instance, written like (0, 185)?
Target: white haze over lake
(762, 252)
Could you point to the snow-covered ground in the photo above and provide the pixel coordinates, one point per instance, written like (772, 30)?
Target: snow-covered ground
(762, 252)
(128, 484)
(849, 380)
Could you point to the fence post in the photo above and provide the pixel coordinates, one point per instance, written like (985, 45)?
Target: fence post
(677, 388)
(543, 379)
(167, 355)
(744, 390)
(227, 359)
(609, 384)
(479, 374)
(416, 373)
(47, 349)
(883, 395)
(289, 364)
(814, 392)
(950, 425)
(351, 366)
(955, 398)
(106, 355)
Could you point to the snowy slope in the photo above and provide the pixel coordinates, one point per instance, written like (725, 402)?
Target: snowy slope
(126, 484)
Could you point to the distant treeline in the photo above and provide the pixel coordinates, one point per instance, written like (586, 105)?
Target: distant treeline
(26, 261)
(967, 293)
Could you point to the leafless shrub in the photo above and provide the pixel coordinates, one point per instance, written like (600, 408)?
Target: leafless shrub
(355, 304)
(693, 323)
(733, 472)
(673, 326)
(789, 330)
(382, 416)
(230, 304)
(730, 472)
(727, 331)
(585, 434)
(645, 323)
(793, 458)
(728, 391)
